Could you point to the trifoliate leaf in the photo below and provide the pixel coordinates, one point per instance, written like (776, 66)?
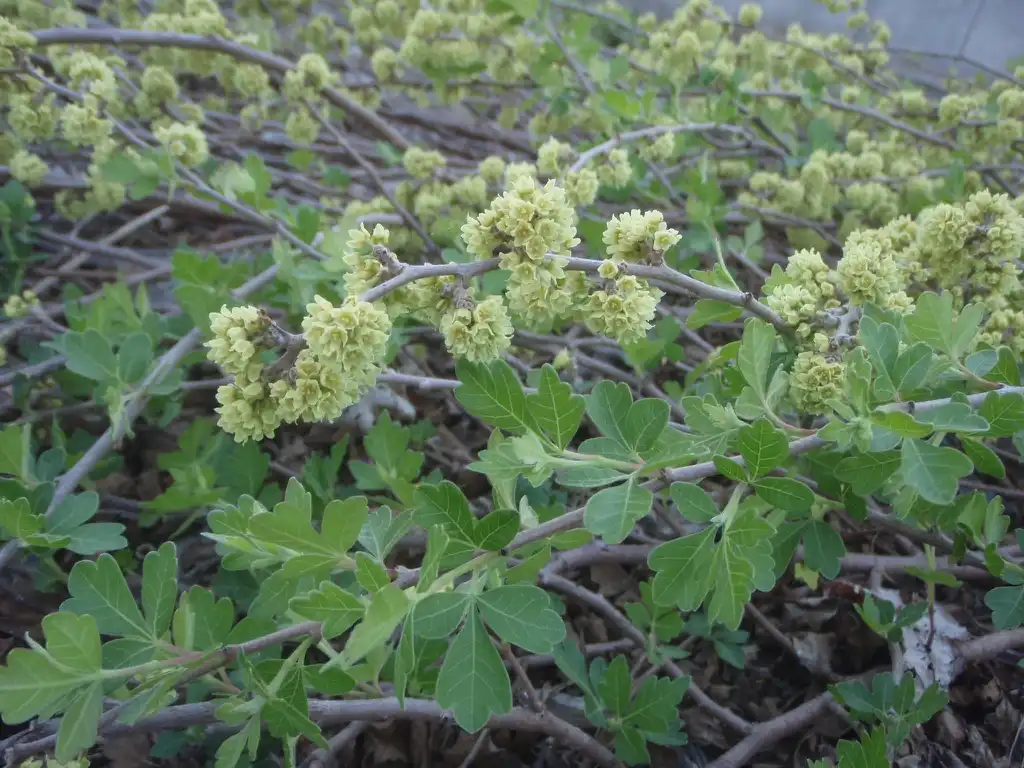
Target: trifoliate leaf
(160, 587)
(693, 502)
(612, 512)
(521, 614)
(934, 322)
(492, 392)
(763, 447)
(635, 426)
(287, 713)
(555, 408)
(446, 505)
(330, 604)
(473, 682)
(98, 589)
(867, 472)
(933, 471)
(91, 355)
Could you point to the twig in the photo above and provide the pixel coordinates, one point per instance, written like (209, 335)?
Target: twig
(323, 757)
(115, 36)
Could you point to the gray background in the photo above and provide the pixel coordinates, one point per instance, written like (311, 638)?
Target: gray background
(990, 32)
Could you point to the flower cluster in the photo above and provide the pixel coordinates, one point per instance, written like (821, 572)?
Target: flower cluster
(531, 228)
(639, 236)
(316, 377)
(623, 307)
(19, 306)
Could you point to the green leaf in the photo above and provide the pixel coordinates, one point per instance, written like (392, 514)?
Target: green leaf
(683, 569)
(882, 342)
(953, 417)
(711, 311)
(287, 714)
(934, 322)
(160, 587)
(555, 408)
(492, 392)
(495, 531)
(1006, 603)
(785, 493)
(32, 683)
(655, 707)
(867, 472)
(330, 604)
(755, 355)
(98, 589)
(371, 575)
(900, 423)
(1006, 370)
(912, 367)
(984, 458)
(343, 520)
(730, 468)
(14, 449)
(382, 530)
(446, 505)
(823, 548)
(386, 611)
(521, 614)
(693, 502)
(1003, 412)
(437, 616)
(134, 357)
(635, 426)
(17, 520)
(202, 622)
(79, 725)
(89, 354)
(473, 682)
(612, 512)
(621, 103)
(933, 471)
(615, 686)
(743, 560)
(763, 447)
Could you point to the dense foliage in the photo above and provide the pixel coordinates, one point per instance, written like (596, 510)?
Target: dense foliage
(733, 312)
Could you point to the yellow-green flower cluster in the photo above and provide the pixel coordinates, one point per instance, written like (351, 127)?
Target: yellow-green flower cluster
(552, 155)
(311, 75)
(185, 143)
(531, 228)
(622, 308)
(422, 163)
(237, 337)
(803, 292)
(478, 333)
(615, 171)
(301, 126)
(639, 236)
(581, 187)
(814, 380)
(28, 168)
(19, 306)
(316, 378)
(868, 272)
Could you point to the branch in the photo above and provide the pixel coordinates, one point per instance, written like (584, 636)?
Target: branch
(113, 36)
(332, 712)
